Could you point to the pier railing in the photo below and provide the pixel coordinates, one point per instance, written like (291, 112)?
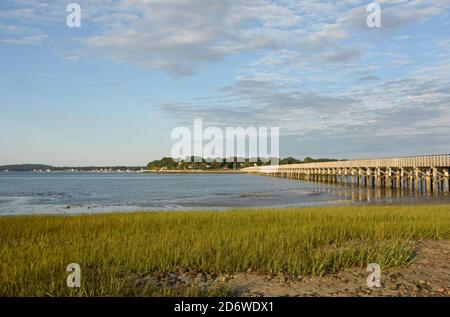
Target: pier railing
(422, 173)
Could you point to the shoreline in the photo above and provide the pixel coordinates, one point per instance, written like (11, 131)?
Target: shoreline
(76, 210)
(129, 172)
(195, 172)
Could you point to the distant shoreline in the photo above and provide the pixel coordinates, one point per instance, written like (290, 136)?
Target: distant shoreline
(137, 172)
(195, 171)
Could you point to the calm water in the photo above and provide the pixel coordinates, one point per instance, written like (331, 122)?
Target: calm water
(35, 193)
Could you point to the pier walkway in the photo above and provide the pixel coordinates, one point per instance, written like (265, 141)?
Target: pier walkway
(427, 173)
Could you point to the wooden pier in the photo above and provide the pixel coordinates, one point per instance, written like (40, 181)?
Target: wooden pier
(428, 173)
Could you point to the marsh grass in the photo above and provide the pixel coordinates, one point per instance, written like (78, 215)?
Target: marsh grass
(112, 249)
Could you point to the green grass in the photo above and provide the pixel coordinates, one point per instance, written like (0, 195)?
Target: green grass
(111, 249)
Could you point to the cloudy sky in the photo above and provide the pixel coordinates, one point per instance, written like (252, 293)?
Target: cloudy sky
(111, 91)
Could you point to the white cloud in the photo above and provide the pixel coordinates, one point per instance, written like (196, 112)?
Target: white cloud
(20, 35)
(26, 40)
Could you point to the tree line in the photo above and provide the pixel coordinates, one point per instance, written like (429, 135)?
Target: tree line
(168, 163)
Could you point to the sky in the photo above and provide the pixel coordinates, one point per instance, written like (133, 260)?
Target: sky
(112, 91)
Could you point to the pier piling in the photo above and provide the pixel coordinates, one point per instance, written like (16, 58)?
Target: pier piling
(429, 173)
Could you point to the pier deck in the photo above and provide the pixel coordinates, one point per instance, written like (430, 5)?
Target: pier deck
(427, 173)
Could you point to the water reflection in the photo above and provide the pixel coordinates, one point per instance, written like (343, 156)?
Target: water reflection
(361, 194)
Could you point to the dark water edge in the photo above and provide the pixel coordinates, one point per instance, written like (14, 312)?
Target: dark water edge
(77, 193)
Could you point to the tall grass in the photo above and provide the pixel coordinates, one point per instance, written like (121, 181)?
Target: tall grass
(113, 249)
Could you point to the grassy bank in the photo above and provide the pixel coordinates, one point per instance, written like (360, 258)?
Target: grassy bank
(115, 250)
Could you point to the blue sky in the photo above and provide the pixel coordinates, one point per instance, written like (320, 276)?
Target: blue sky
(111, 91)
